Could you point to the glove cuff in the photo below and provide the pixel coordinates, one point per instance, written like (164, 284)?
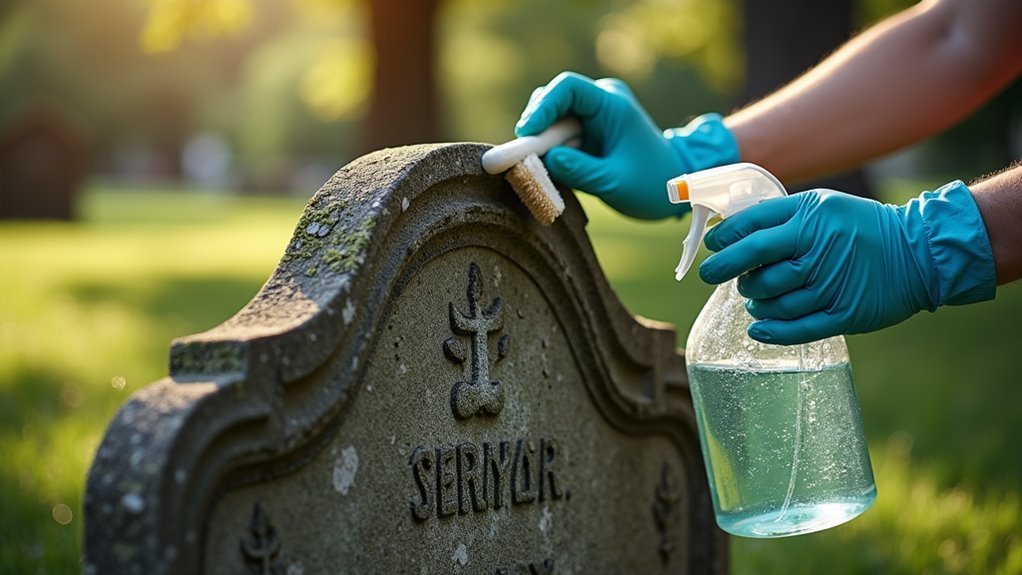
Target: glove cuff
(703, 143)
(957, 244)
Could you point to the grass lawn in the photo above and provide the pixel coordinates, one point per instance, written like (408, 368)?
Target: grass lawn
(87, 311)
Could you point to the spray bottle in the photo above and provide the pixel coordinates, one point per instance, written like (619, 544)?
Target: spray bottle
(780, 426)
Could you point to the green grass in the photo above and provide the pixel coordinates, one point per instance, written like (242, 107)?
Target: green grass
(85, 307)
(87, 312)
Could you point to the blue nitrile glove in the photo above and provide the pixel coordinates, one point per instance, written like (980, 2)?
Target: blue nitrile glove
(625, 159)
(826, 263)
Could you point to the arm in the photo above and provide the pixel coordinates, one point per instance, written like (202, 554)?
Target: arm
(905, 79)
(1000, 203)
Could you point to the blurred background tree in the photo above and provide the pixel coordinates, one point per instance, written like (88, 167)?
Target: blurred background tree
(269, 95)
(783, 39)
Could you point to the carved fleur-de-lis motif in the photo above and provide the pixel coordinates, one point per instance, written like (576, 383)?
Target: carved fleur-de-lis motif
(478, 395)
(667, 512)
(261, 547)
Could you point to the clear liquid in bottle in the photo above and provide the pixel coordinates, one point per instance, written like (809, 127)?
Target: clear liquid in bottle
(780, 426)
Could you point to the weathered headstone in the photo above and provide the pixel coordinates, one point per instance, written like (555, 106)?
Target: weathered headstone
(430, 382)
(42, 162)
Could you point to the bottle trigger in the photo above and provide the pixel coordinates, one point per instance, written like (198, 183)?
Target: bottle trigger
(700, 215)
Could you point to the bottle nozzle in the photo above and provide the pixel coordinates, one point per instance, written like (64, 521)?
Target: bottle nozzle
(723, 191)
(677, 190)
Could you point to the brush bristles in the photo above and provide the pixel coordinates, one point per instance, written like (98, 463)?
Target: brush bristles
(532, 183)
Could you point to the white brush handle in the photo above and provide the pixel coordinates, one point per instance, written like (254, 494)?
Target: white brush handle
(501, 158)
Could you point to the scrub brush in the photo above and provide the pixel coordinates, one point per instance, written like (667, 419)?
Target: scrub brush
(525, 171)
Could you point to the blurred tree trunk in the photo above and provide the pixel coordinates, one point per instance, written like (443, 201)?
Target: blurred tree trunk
(166, 115)
(783, 39)
(403, 109)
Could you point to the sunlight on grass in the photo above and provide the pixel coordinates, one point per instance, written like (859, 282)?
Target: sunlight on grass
(87, 312)
(915, 526)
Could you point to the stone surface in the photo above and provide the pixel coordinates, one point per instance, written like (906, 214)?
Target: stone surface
(430, 382)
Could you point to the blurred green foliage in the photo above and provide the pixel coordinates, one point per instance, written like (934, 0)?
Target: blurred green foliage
(286, 82)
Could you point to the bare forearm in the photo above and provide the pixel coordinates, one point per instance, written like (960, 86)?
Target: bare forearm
(1000, 203)
(903, 80)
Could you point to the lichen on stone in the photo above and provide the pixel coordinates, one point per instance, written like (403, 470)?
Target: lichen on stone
(331, 237)
(213, 357)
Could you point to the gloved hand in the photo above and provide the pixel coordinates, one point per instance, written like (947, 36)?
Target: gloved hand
(826, 263)
(625, 159)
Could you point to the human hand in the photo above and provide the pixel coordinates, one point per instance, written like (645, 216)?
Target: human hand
(625, 158)
(825, 263)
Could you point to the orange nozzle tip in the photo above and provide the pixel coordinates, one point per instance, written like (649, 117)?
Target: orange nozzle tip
(682, 187)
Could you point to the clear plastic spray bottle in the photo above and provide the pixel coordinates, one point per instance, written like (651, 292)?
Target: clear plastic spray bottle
(780, 426)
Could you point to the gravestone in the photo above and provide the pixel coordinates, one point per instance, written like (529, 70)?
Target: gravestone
(42, 162)
(430, 382)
